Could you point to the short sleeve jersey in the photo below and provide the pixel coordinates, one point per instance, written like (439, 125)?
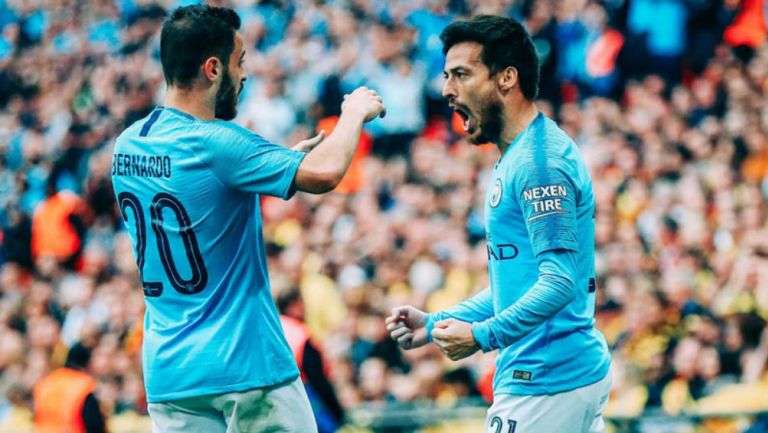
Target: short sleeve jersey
(188, 191)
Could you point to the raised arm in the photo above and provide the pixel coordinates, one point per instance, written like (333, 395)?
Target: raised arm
(324, 166)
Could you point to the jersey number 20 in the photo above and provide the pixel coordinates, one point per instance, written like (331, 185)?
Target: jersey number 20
(196, 283)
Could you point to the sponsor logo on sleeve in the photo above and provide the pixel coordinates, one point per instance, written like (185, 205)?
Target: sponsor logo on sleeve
(545, 200)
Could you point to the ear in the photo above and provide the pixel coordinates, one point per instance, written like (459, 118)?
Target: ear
(507, 79)
(213, 68)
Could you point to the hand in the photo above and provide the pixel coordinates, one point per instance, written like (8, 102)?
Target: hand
(455, 338)
(407, 326)
(366, 102)
(310, 143)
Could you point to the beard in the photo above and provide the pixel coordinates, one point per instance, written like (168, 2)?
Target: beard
(226, 99)
(492, 124)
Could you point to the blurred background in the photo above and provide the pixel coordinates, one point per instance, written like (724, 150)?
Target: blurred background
(668, 100)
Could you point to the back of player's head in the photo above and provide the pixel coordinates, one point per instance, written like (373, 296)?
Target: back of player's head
(505, 43)
(190, 35)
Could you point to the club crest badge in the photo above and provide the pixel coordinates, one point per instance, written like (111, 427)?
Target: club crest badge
(496, 192)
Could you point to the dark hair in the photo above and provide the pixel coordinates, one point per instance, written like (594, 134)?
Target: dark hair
(287, 298)
(78, 357)
(192, 34)
(751, 327)
(505, 43)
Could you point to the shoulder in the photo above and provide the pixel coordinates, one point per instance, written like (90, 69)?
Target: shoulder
(221, 132)
(547, 148)
(132, 130)
(554, 135)
(547, 156)
(69, 198)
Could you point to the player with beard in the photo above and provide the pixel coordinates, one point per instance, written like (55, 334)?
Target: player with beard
(553, 366)
(188, 183)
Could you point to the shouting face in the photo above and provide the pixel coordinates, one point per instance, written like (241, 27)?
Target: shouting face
(472, 93)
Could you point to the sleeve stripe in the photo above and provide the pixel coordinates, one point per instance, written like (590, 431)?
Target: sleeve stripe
(547, 214)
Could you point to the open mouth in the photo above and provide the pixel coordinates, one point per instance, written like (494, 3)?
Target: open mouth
(467, 120)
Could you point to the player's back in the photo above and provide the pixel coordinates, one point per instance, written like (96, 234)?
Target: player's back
(188, 192)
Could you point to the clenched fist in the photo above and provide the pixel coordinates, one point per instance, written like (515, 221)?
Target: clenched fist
(407, 326)
(365, 102)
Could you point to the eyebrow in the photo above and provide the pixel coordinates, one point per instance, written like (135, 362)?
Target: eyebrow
(456, 69)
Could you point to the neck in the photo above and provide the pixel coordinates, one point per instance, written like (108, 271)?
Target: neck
(190, 101)
(517, 117)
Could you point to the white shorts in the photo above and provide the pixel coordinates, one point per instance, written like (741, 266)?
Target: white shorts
(282, 408)
(577, 411)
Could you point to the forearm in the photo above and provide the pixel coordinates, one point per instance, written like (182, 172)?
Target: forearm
(554, 289)
(475, 309)
(330, 159)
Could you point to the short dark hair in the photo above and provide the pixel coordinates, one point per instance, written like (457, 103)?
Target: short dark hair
(78, 357)
(287, 298)
(505, 43)
(192, 34)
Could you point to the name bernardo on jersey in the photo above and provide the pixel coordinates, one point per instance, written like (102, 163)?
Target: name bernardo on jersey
(124, 164)
(545, 200)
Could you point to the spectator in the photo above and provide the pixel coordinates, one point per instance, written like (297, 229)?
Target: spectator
(58, 227)
(64, 400)
(328, 411)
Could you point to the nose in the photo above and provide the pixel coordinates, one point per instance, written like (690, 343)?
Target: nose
(449, 89)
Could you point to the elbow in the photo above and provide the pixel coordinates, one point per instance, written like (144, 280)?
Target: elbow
(568, 286)
(327, 182)
(319, 173)
(571, 290)
(323, 182)
(562, 284)
(557, 271)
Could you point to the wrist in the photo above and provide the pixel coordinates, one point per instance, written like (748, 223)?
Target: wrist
(484, 338)
(354, 114)
(429, 324)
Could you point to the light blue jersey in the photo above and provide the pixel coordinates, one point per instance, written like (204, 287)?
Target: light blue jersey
(189, 191)
(540, 233)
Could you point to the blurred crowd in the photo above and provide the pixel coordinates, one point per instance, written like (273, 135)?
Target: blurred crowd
(666, 98)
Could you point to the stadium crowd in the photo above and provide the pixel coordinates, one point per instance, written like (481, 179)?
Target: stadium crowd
(666, 98)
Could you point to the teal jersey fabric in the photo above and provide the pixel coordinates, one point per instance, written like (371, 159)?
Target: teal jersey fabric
(188, 191)
(540, 234)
